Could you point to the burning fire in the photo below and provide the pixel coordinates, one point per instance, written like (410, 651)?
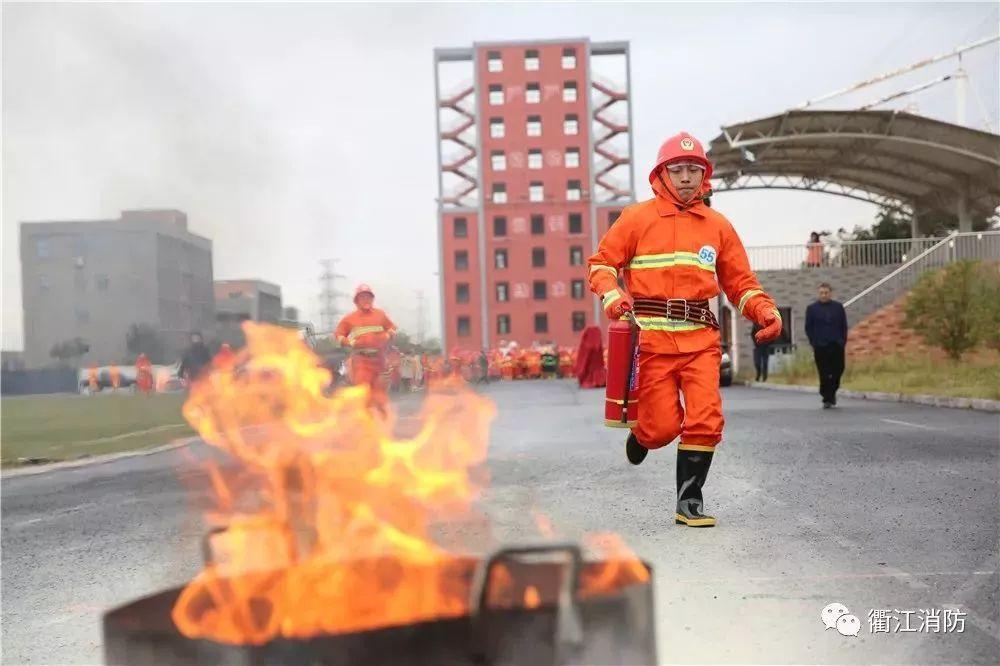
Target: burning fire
(324, 526)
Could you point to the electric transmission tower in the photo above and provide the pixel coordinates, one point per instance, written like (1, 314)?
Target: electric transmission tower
(420, 317)
(329, 295)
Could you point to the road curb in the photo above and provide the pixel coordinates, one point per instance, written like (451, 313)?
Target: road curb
(93, 460)
(975, 404)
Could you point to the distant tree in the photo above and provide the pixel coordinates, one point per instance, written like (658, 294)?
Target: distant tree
(145, 339)
(431, 346)
(69, 350)
(945, 308)
(889, 225)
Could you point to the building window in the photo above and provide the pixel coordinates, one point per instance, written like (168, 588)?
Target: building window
(502, 292)
(101, 282)
(496, 128)
(42, 248)
(571, 125)
(461, 260)
(82, 316)
(538, 257)
(572, 159)
(494, 63)
(503, 324)
(536, 192)
(499, 193)
(500, 258)
(539, 290)
(573, 190)
(575, 223)
(613, 216)
(541, 323)
(462, 292)
(579, 321)
(531, 60)
(533, 93)
(569, 58)
(461, 227)
(576, 256)
(537, 225)
(464, 327)
(569, 91)
(499, 227)
(80, 281)
(534, 126)
(534, 158)
(43, 282)
(577, 289)
(498, 160)
(496, 94)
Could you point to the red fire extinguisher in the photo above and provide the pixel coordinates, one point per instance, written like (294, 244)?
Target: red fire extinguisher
(621, 404)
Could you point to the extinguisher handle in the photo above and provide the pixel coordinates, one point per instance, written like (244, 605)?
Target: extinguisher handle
(632, 318)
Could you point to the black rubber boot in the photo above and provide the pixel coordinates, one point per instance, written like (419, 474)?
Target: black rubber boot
(634, 451)
(692, 470)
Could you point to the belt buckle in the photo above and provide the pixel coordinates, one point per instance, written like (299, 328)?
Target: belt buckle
(687, 310)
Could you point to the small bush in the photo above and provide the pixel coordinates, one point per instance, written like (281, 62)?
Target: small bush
(946, 307)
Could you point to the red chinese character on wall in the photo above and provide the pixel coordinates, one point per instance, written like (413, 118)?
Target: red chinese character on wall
(558, 289)
(556, 223)
(553, 158)
(517, 160)
(520, 290)
(519, 225)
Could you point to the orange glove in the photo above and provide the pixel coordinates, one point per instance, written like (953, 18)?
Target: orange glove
(770, 323)
(616, 303)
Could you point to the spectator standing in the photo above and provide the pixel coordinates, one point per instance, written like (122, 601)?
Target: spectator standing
(826, 328)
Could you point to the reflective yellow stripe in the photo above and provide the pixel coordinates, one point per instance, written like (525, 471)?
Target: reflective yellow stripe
(694, 447)
(669, 260)
(777, 314)
(361, 330)
(750, 293)
(664, 324)
(610, 297)
(598, 267)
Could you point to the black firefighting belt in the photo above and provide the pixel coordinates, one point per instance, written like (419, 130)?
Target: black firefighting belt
(366, 351)
(676, 309)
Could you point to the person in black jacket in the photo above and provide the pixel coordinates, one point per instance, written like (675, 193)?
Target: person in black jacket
(761, 352)
(195, 358)
(826, 328)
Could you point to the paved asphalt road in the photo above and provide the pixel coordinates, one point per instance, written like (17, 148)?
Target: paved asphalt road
(873, 505)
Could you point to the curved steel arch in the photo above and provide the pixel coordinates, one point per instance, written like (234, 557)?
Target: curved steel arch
(744, 182)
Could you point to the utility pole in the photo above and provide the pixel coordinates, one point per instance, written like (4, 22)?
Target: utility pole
(420, 317)
(329, 295)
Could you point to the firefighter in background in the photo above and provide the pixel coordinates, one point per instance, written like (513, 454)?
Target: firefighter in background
(673, 253)
(565, 363)
(143, 374)
(116, 376)
(92, 382)
(224, 357)
(367, 331)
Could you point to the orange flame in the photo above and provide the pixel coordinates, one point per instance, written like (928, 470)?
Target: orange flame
(323, 526)
(531, 597)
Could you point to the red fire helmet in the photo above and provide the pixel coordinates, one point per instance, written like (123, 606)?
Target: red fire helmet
(363, 289)
(680, 147)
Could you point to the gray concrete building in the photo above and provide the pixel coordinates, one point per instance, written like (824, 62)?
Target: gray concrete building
(237, 301)
(94, 279)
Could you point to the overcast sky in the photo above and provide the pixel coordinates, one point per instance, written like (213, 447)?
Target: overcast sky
(292, 133)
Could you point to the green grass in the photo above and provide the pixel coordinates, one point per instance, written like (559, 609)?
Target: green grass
(65, 427)
(975, 376)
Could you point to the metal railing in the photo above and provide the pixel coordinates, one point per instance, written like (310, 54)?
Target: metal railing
(956, 247)
(832, 253)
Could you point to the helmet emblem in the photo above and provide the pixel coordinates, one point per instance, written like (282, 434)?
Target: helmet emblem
(687, 143)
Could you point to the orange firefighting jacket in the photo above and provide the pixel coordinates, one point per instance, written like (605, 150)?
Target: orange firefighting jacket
(365, 330)
(663, 248)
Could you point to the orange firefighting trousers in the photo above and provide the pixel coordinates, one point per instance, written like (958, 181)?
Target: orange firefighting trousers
(367, 371)
(662, 379)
